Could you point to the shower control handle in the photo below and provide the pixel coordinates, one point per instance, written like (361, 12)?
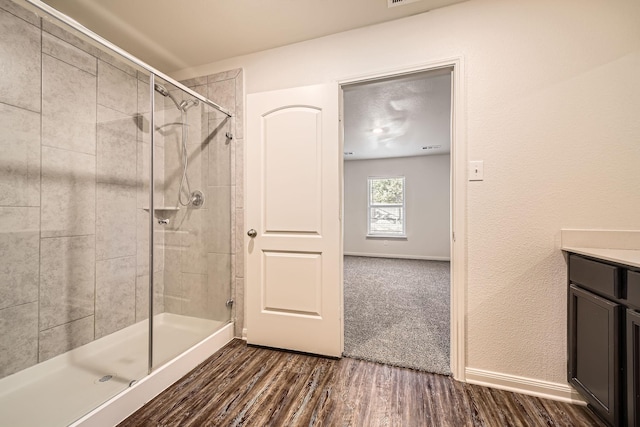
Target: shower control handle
(252, 233)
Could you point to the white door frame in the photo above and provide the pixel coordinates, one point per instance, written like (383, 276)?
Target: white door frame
(458, 198)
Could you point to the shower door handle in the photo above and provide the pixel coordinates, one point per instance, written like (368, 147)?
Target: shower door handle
(252, 233)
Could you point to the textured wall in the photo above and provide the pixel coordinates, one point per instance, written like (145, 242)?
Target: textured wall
(426, 204)
(552, 100)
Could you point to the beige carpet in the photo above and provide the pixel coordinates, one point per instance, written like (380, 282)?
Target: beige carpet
(397, 312)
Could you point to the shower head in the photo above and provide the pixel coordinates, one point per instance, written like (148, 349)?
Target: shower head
(161, 89)
(183, 105)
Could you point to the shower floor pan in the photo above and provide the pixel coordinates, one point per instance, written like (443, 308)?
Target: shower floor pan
(63, 389)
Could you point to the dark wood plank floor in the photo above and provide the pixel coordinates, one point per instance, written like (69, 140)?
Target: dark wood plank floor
(247, 386)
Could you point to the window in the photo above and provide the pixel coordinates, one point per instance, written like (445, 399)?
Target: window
(386, 206)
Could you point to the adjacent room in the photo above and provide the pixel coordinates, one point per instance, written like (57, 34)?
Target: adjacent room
(397, 144)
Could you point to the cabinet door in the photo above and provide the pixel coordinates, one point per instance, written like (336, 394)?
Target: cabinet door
(594, 355)
(633, 367)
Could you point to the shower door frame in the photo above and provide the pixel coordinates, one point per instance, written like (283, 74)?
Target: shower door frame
(152, 189)
(38, 5)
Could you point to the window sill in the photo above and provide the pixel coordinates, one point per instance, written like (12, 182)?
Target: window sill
(387, 236)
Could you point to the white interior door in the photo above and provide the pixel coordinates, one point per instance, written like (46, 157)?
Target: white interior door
(293, 204)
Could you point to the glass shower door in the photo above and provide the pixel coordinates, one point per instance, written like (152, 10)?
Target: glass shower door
(193, 222)
(72, 304)
(81, 138)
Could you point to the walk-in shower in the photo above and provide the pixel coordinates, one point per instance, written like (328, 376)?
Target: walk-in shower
(112, 267)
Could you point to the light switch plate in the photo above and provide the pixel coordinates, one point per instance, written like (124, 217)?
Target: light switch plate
(476, 170)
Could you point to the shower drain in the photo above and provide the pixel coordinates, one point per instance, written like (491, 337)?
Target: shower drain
(105, 378)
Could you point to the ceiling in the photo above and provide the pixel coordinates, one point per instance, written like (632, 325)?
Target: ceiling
(171, 35)
(398, 117)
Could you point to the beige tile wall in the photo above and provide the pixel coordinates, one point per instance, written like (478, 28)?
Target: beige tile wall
(73, 229)
(74, 215)
(223, 234)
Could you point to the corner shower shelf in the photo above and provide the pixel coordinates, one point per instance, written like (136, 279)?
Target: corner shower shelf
(163, 208)
(161, 212)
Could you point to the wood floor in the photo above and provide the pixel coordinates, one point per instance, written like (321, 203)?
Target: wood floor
(247, 386)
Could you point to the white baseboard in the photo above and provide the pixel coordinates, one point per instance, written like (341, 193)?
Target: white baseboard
(529, 386)
(428, 258)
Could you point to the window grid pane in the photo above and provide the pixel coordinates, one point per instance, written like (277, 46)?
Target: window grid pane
(386, 220)
(386, 206)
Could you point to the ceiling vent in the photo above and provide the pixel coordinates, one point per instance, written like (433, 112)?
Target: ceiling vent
(431, 147)
(394, 3)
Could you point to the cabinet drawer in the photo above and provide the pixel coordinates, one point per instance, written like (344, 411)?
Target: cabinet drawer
(633, 289)
(600, 278)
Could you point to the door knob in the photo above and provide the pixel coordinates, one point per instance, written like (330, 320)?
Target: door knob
(252, 233)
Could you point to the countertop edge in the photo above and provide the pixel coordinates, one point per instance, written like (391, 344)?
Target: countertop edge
(600, 239)
(630, 257)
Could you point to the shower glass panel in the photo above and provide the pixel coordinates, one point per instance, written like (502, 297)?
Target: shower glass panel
(193, 222)
(76, 283)
(73, 287)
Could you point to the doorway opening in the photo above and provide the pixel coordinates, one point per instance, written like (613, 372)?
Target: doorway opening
(397, 219)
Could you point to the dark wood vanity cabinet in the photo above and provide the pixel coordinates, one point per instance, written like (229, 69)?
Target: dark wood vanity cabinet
(594, 351)
(604, 337)
(633, 367)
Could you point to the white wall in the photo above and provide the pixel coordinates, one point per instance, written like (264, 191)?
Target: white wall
(426, 204)
(552, 101)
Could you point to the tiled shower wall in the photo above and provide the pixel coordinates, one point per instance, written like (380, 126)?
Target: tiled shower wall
(74, 241)
(219, 163)
(74, 195)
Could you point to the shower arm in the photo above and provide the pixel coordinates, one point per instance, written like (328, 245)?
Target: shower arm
(39, 5)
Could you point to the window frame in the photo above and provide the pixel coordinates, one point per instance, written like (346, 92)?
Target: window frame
(391, 235)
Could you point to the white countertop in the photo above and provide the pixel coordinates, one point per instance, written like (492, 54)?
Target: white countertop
(622, 256)
(621, 246)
